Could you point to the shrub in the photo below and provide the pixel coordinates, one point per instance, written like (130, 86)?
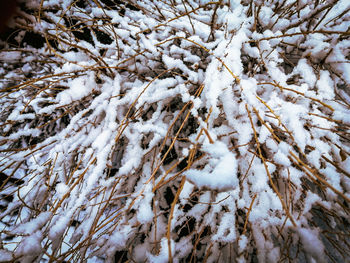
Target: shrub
(175, 131)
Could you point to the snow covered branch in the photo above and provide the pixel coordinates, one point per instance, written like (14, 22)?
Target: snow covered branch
(183, 130)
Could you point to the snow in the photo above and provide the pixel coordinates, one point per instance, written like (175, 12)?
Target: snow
(312, 243)
(62, 189)
(79, 88)
(118, 239)
(140, 252)
(33, 225)
(325, 86)
(305, 70)
(10, 56)
(186, 191)
(163, 255)
(281, 158)
(146, 214)
(5, 255)
(220, 173)
(59, 227)
(85, 126)
(242, 243)
(30, 247)
(310, 200)
(225, 232)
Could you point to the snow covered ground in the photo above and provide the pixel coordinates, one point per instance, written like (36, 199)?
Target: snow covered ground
(175, 131)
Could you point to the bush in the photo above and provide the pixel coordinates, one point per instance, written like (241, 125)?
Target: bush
(156, 131)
